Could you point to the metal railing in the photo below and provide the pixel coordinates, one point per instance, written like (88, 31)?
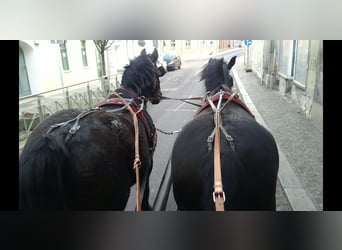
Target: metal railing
(35, 108)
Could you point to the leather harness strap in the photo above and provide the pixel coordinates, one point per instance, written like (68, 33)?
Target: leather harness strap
(226, 96)
(137, 161)
(145, 119)
(135, 111)
(218, 194)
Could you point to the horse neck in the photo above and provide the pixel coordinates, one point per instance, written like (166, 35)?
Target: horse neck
(127, 93)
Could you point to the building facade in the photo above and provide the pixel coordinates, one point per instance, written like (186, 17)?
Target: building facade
(46, 65)
(292, 67)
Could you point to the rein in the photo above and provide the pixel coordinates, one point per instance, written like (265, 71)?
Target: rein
(201, 98)
(137, 161)
(218, 194)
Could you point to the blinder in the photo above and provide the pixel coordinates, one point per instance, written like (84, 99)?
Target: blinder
(159, 71)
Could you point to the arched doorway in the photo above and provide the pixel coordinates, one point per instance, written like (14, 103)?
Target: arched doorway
(24, 83)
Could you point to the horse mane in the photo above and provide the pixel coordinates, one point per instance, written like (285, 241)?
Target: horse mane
(214, 74)
(139, 75)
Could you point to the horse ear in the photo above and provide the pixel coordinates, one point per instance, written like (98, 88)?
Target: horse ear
(143, 52)
(231, 62)
(154, 55)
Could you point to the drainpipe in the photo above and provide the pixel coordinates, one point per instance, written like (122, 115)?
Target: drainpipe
(269, 60)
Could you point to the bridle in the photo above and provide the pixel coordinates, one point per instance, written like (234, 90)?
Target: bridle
(155, 92)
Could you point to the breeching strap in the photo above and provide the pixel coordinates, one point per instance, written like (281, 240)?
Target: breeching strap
(218, 194)
(137, 161)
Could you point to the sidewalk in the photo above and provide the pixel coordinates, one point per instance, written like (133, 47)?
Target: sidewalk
(299, 141)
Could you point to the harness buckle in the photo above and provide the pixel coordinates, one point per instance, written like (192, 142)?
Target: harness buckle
(210, 140)
(74, 128)
(229, 138)
(217, 194)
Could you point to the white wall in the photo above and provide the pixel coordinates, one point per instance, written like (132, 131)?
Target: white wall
(77, 73)
(42, 70)
(44, 66)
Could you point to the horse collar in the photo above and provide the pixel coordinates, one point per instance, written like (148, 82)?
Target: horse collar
(142, 116)
(226, 95)
(123, 92)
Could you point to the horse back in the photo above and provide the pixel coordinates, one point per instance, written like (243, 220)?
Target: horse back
(251, 164)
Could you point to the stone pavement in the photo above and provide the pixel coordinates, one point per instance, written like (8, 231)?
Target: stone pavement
(299, 140)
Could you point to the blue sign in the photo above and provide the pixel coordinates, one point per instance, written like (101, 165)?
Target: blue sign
(248, 42)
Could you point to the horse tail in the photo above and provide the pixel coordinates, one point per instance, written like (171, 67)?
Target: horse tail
(41, 166)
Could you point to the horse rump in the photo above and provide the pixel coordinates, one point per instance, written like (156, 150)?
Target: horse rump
(88, 172)
(42, 165)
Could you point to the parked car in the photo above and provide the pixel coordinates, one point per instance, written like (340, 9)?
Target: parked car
(173, 61)
(161, 62)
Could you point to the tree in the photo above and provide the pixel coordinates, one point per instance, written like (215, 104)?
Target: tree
(101, 46)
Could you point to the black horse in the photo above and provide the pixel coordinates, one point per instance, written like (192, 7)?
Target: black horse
(248, 152)
(83, 160)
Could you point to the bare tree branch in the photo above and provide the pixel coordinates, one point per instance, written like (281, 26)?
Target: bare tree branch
(101, 46)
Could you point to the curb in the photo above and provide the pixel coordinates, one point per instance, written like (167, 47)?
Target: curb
(295, 193)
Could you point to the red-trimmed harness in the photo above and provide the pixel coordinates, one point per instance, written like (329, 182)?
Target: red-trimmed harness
(148, 124)
(137, 114)
(226, 95)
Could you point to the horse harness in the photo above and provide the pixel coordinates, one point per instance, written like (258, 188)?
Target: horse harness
(150, 130)
(218, 193)
(219, 96)
(74, 127)
(136, 113)
(131, 103)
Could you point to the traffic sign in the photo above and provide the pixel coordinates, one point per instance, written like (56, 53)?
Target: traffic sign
(248, 42)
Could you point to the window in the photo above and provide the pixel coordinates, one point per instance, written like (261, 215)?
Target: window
(24, 83)
(286, 57)
(64, 55)
(301, 62)
(84, 53)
